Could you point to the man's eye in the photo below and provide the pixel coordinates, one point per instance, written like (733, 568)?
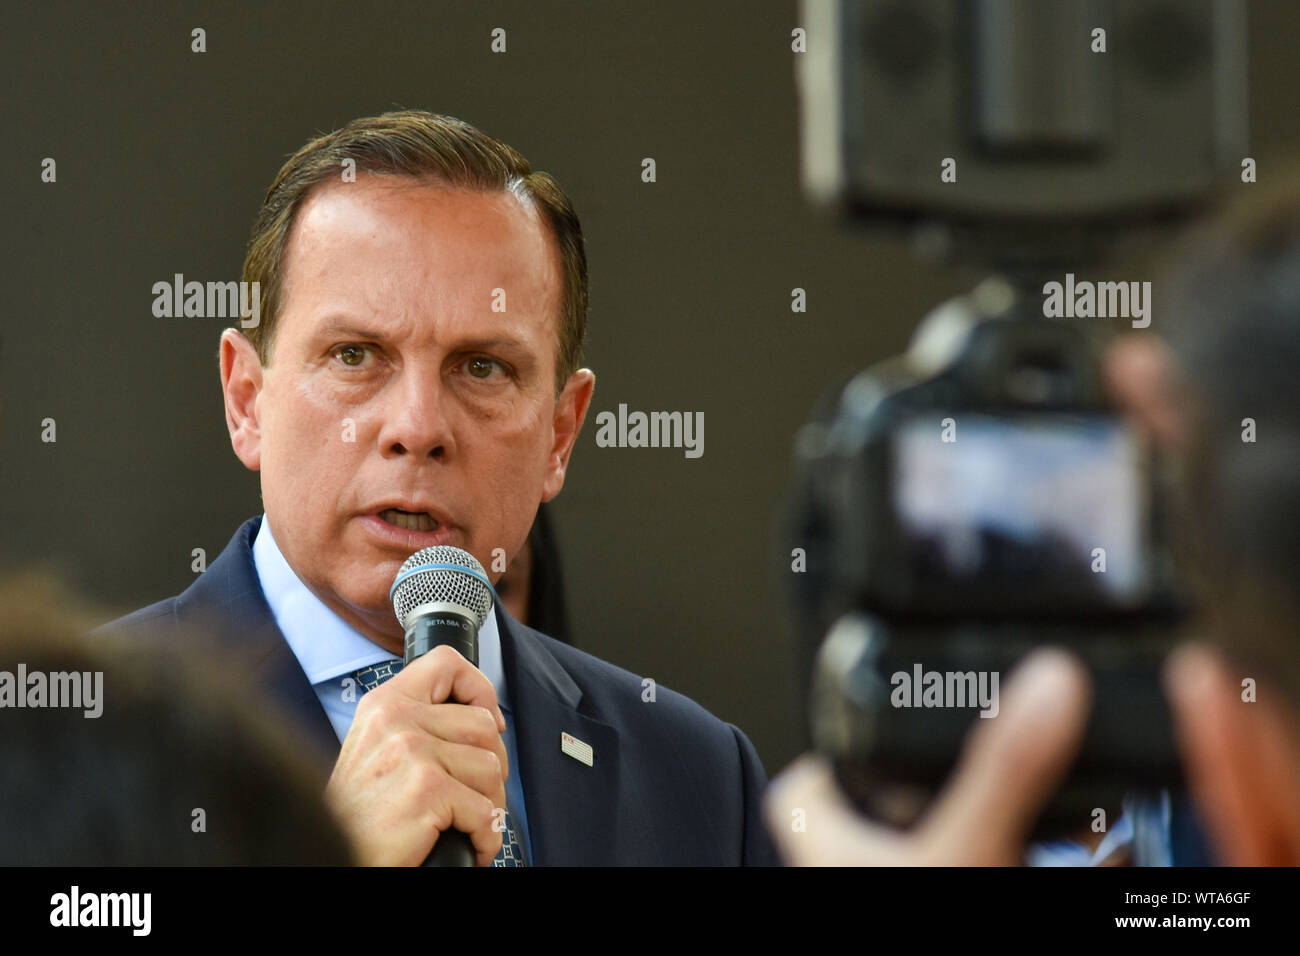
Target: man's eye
(351, 355)
(481, 367)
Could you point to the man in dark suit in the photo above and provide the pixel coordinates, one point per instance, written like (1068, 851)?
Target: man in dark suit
(411, 378)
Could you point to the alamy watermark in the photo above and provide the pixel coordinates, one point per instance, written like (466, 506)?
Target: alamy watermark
(922, 688)
(1102, 300)
(36, 689)
(652, 430)
(130, 910)
(208, 300)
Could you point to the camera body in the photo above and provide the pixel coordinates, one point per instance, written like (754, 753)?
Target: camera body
(977, 497)
(962, 504)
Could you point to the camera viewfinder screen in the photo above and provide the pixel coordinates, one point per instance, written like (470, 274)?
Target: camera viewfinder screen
(1056, 505)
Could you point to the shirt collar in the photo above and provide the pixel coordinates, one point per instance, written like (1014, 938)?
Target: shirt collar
(328, 647)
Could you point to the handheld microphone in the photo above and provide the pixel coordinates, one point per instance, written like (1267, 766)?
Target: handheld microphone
(442, 595)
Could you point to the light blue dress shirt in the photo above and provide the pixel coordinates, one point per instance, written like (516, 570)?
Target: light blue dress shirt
(330, 651)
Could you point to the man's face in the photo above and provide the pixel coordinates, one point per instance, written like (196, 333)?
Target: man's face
(394, 386)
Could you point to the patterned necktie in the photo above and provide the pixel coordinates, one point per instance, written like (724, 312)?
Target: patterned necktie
(511, 853)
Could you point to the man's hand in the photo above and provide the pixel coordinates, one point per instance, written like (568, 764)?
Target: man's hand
(1009, 767)
(413, 766)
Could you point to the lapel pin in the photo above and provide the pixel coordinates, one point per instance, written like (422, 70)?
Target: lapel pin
(576, 749)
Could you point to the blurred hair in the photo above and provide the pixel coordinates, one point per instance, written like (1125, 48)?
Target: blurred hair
(121, 789)
(1231, 314)
(547, 609)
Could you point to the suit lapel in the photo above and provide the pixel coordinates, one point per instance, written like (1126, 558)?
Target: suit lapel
(227, 602)
(571, 807)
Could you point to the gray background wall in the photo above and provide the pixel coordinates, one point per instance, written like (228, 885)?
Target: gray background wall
(163, 156)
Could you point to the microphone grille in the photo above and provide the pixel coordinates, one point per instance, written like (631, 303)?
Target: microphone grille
(424, 578)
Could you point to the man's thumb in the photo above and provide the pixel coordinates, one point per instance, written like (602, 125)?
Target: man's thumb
(1013, 762)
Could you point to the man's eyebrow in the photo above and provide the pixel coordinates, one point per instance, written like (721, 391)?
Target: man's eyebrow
(490, 343)
(344, 328)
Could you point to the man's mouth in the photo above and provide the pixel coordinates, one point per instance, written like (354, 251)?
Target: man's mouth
(411, 521)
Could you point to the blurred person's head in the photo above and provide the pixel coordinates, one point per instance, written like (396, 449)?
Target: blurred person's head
(158, 763)
(532, 587)
(413, 379)
(1231, 317)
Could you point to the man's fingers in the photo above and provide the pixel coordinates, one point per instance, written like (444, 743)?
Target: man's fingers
(1195, 684)
(1142, 377)
(480, 770)
(1009, 766)
(441, 675)
(463, 724)
(1012, 763)
(814, 824)
(473, 814)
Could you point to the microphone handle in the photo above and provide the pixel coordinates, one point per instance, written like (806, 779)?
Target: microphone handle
(452, 849)
(460, 631)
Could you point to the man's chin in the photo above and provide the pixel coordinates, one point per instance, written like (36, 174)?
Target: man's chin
(362, 599)
(374, 621)
(373, 603)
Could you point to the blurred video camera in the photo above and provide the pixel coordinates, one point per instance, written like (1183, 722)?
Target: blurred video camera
(978, 496)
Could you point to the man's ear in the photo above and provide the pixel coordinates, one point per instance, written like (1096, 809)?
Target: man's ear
(570, 412)
(1242, 760)
(241, 383)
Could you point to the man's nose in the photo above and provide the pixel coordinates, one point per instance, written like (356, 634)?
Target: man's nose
(415, 420)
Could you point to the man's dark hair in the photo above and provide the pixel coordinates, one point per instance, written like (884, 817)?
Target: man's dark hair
(547, 609)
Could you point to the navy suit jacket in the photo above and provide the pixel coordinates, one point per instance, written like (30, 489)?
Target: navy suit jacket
(670, 783)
